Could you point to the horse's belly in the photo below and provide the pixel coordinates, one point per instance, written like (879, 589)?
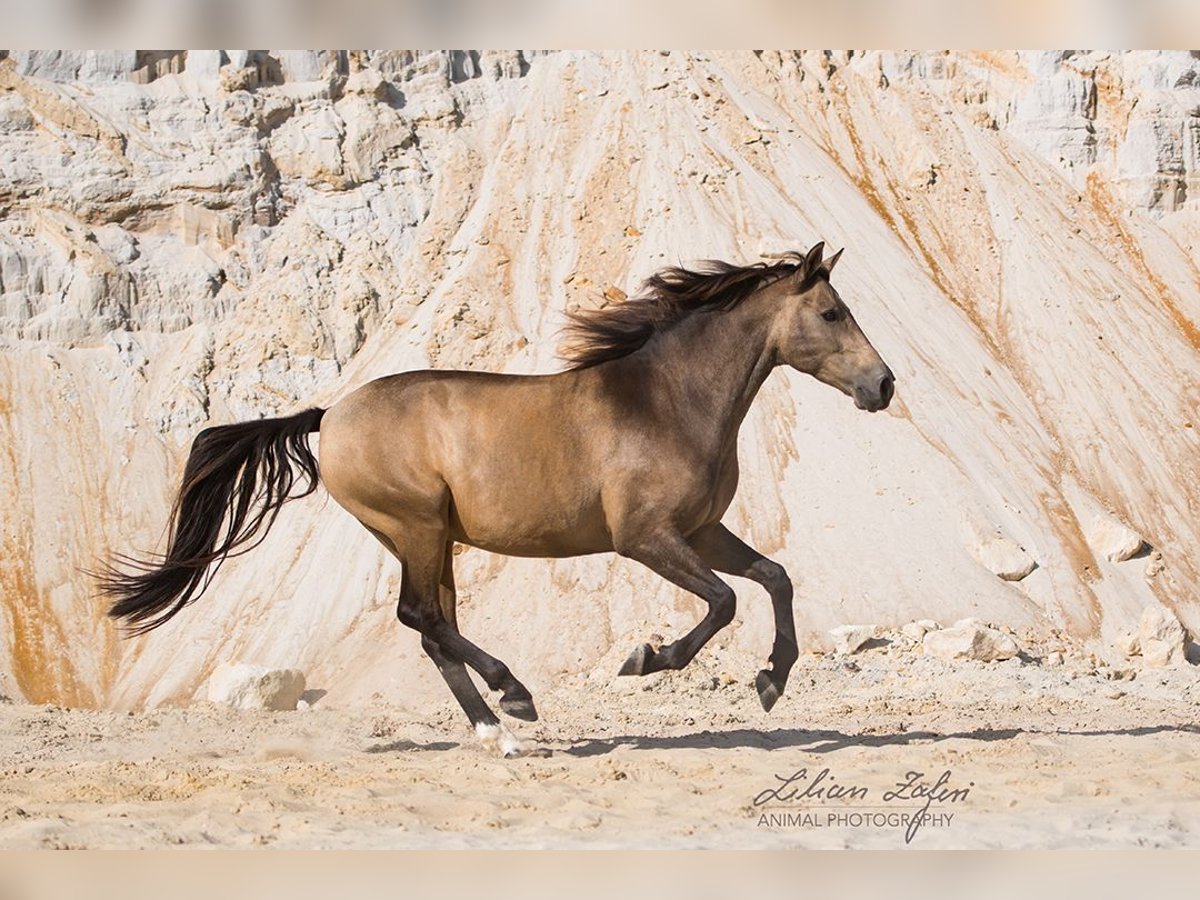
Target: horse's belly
(528, 524)
(517, 541)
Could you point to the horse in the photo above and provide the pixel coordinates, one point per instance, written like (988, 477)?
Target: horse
(631, 448)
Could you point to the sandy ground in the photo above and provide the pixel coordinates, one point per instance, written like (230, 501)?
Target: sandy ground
(1039, 754)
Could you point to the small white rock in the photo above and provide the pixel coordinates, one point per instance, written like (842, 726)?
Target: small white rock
(849, 639)
(970, 639)
(1003, 558)
(1162, 638)
(1129, 643)
(1111, 539)
(244, 686)
(917, 630)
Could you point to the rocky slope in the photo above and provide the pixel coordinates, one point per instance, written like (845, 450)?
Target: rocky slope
(193, 238)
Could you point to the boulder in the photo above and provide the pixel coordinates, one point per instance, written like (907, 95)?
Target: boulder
(244, 686)
(1113, 540)
(970, 639)
(1162, 638)
(917, 630)
(1129, 643)
(849, 639)
(1003, 558)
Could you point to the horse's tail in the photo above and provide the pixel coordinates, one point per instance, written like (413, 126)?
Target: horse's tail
(236, 479)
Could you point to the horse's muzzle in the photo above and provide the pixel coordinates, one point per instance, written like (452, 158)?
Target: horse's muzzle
(877, 396)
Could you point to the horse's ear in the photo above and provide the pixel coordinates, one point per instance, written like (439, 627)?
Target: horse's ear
(813, 259)
(831, 262)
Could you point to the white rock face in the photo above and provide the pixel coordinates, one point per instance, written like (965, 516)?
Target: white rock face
(1003, 558)
(849, 639)
(75, 65)
(191, 239)
(244, 686)
(970, 639)
(1113, 540)
(1161, 638)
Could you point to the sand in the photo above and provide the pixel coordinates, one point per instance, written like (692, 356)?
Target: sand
(1038, 754)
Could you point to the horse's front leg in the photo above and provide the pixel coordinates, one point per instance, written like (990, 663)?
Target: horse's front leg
(671, 556)
(725, 552)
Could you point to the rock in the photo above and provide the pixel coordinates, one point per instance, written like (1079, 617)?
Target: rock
(302, 65)
(1114, 541)
(917, 630)
(849, 639)
(970, 639)
(244, 686)
(368, 82)
(237, 78)
(614, 294)
(76, 65)
(1129, 643)
(1162, 637)
(1003, 558)
(204, 66)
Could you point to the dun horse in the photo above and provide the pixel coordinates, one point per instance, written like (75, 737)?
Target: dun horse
(632, 449)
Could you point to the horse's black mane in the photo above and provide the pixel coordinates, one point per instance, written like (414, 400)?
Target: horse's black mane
(669, 295)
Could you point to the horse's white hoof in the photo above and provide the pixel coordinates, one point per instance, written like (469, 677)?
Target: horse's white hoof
(500, 738)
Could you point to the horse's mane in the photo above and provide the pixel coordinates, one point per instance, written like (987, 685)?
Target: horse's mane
(668, 296)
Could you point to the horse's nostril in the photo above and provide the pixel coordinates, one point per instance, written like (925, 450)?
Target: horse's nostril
(887, 387)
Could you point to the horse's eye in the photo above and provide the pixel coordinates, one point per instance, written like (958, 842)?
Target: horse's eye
(831, 315)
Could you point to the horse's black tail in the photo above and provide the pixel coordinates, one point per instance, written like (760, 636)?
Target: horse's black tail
(236, 479)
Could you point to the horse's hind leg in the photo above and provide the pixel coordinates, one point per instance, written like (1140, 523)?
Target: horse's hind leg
(420, 608)
(454, 672)
(725, 552)
(427, 604)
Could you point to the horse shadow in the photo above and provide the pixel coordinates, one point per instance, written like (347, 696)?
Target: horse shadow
(404, 745)
(828, 741)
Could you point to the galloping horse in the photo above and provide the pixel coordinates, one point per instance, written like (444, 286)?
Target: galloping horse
(632, 449)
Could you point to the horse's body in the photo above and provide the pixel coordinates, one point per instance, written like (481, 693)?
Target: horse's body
(633, 450)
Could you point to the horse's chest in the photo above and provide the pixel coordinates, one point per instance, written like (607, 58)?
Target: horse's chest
(705, 493)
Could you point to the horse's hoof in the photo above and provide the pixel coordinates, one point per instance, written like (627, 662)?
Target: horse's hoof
(497, 737)
(520, 708)
(638, 661)
(768, 690)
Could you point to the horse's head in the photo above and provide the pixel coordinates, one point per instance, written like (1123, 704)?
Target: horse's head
(815, 333)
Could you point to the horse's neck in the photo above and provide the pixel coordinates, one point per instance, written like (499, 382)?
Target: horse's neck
(710, 367)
